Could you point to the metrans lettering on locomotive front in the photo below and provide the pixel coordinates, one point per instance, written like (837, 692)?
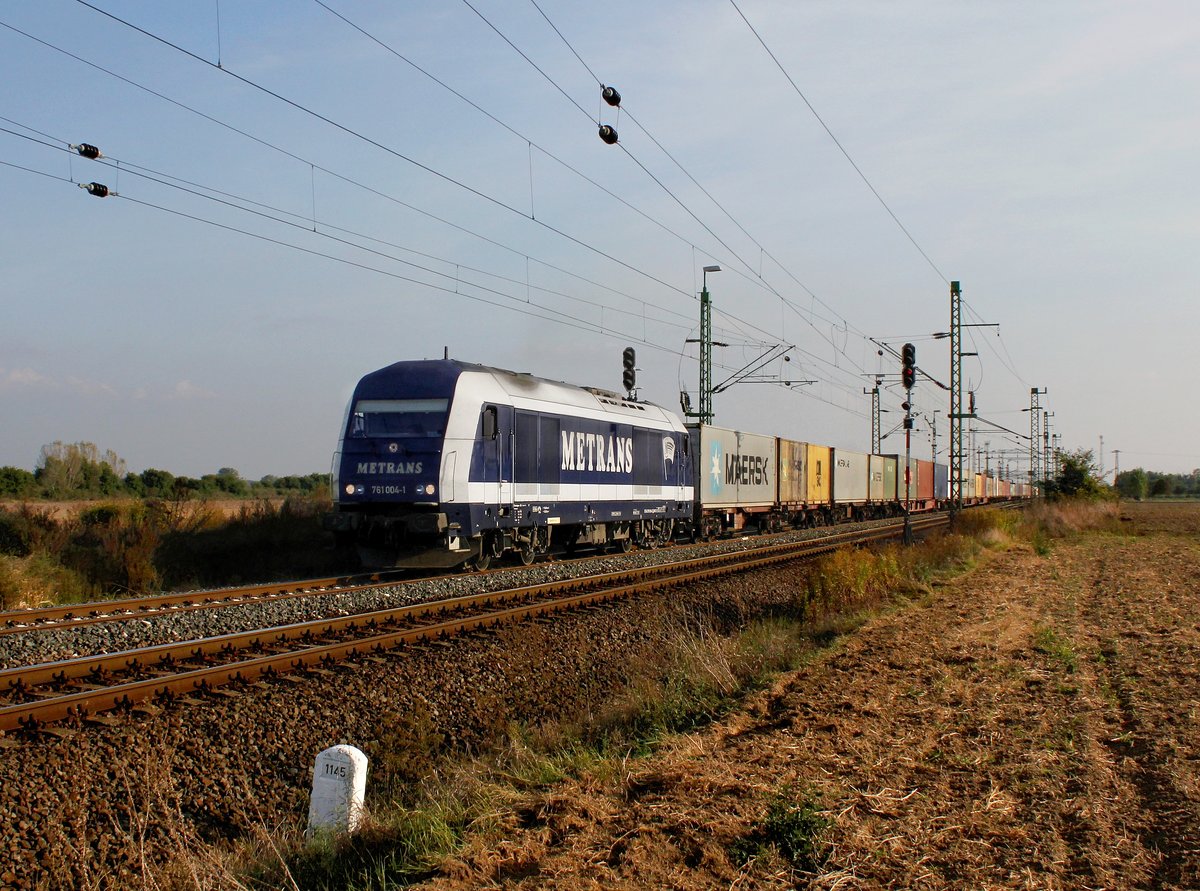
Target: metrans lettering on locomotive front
(389, 467)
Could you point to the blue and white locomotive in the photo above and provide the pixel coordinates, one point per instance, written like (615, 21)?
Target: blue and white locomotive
(444, 463)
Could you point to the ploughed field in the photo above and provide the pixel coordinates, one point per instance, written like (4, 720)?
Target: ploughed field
(1035, 724)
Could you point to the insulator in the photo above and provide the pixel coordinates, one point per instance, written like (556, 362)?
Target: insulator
(98, 189)
(611, 96)
(88, 151)
(608, 134)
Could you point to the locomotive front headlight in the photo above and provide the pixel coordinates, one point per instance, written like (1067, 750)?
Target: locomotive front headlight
(429, 489)
(349, 488)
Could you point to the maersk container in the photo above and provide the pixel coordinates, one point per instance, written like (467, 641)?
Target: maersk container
(850, 476)
(1005, 489)
(924, 480)
(890, 466)
(875, 488)
(941, 482)
(793, 459)
(735, 469)
(819, 473)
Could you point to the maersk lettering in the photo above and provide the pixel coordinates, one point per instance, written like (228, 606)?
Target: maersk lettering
(392, 467)
(594, 451)
(746, 470)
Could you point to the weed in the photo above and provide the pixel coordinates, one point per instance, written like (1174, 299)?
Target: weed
(1050, 643)
(794, 826)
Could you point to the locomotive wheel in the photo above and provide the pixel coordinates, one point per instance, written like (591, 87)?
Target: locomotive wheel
(525, 552)
(483, 561)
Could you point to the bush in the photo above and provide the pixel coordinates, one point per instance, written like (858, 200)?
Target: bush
(37, 579)
(14, 535)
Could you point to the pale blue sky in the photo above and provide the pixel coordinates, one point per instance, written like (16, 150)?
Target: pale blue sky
(1043, 153)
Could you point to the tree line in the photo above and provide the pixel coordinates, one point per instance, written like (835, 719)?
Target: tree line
(1141, 483)
(80, 471)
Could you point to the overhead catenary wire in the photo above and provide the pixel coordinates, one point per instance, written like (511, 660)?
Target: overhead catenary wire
(759, 278)
(299, 221)
(366, 33)
(838, 143)
(350, 131)
(835, 365)
(307, 162)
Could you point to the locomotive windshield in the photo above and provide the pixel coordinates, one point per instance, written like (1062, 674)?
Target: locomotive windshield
(399, 417)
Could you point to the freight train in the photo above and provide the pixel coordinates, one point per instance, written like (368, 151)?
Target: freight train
(443, 463)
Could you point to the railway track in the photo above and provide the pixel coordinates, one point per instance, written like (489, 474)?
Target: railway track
(75, 615)
(80, 689)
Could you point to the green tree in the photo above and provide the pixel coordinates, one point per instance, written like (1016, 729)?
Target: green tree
(1078, 477)
(160, 483)
(1132, 484)
(16, 482)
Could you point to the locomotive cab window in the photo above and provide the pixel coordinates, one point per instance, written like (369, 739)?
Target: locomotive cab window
(399, 417)
(490, 424)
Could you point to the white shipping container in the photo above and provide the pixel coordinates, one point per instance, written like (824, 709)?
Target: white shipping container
(850, 476)
(735, 469)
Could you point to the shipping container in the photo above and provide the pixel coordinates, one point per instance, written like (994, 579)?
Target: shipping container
(793, 484)
(875, 485)
(889, 477)
(913, 478)
(849, 477)
(819, 473)
(924, 480)
(941, 482)
(735, 469)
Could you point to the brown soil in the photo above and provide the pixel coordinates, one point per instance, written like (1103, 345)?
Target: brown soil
(1032, 725)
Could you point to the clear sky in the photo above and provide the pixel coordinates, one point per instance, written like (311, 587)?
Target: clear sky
(265, 251)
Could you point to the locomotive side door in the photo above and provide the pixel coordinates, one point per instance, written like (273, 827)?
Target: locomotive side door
(496, 440)
(507, 457)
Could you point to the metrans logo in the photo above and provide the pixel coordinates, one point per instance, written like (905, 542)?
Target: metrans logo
(595, 451)
(392, 467)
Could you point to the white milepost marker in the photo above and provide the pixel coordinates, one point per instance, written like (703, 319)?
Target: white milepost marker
(339, 787)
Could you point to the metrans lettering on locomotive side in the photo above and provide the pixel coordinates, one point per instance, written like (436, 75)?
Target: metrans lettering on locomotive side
(594, 451)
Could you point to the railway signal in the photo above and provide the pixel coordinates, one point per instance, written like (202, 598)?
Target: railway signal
(908, 359)
(629, 371)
